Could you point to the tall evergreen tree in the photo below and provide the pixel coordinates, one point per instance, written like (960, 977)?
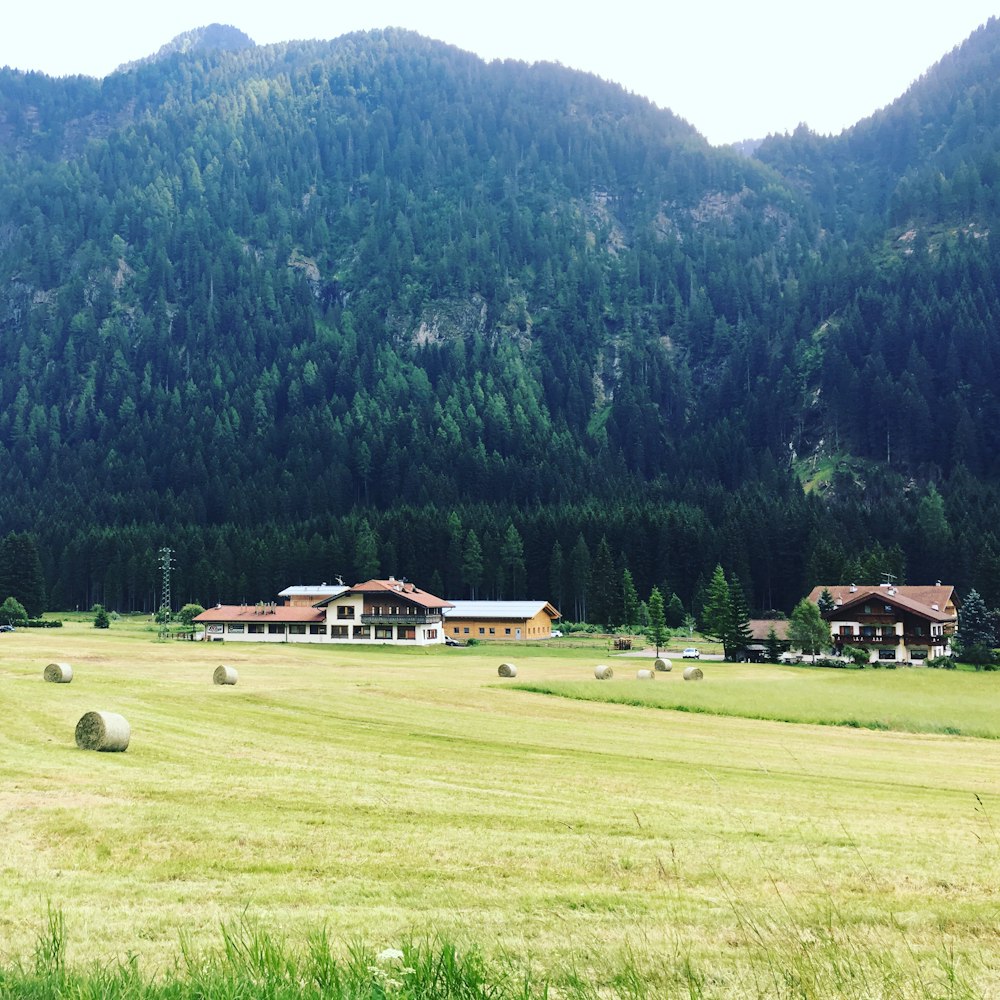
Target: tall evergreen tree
(472, 564)
(630, 600)
(557, 574)
(717, 613)
(976, 632)
(675, 612)
(657, 621)
(826, 603)
(738, 634)
(21, 572)
(605, 587)
(579, 567)
(366, 564)
(512, 559)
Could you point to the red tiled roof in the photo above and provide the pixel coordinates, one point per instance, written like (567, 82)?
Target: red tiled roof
(407, 591)
(255, 613)
(920, 600)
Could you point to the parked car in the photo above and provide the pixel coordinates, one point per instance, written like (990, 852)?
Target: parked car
(7, 628)
(691, 653)
(790, 657)
(449, 641)
(556, 634)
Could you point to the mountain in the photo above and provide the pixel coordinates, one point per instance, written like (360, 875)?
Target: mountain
(305, 308)
(201, 41)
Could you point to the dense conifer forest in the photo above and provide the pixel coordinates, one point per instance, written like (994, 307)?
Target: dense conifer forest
(375, 306)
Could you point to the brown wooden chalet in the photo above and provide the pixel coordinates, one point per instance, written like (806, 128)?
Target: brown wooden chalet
(901, 624)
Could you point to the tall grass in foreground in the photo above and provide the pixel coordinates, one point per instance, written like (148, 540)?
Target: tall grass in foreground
(819, 962)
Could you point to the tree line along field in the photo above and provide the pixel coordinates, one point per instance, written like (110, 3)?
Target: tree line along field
(388, 796)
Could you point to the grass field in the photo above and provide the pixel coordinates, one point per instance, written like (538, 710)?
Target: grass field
(387, 796)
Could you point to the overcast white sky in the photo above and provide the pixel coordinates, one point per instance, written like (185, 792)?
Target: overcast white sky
(734, 69)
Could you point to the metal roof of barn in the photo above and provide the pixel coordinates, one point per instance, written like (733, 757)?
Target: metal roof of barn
(500, 610)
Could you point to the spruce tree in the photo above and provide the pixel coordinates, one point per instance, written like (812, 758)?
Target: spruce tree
(21, 572)
(512, 559)
(579, 568)
(826, 603)
(604, 586)
(716, 615)
(976, 634)
(472, 564)
(738, 634)
(675, 612)
(557, 570)
(657, 620)
(630, 600)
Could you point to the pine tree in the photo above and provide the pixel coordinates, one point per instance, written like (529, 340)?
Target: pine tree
(738, 633)
(366, 563)
(716, 615)
(557, 570)
(472, 564)
(657, 621)
(976, 634)
(604, 586)
(773, 646)
(512, 558)
(675, 612)
(21, 572)
(826, 602)
(630, 600)
(579, 567)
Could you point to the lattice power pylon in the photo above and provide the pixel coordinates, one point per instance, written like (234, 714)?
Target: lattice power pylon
(166, 562)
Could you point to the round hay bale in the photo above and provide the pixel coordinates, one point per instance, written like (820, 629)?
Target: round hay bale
(507, 670)
(693, 674)
(103, 731)
(58, 673)
(225, 675)
(603, 672)
(645, 675)
(663, 665)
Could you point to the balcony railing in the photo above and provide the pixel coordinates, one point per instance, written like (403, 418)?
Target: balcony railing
(400, 619)
(908, 638)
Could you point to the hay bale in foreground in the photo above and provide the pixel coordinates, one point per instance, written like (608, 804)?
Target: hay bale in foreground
(58, 673)
(225, 675)
(103, 731)
(645, 675)
(507, 670)
(693, 674)
(662, 664)
(603, 672)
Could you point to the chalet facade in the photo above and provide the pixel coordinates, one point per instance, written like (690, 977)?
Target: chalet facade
(897, 624)
(502, 620)
(376, 612)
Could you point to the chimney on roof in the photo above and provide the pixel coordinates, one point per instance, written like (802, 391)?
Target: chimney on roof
(854, 587)
(937, 583)
(839, 601)
(934, 607)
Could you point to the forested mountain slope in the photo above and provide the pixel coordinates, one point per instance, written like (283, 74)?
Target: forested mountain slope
(367, 304)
